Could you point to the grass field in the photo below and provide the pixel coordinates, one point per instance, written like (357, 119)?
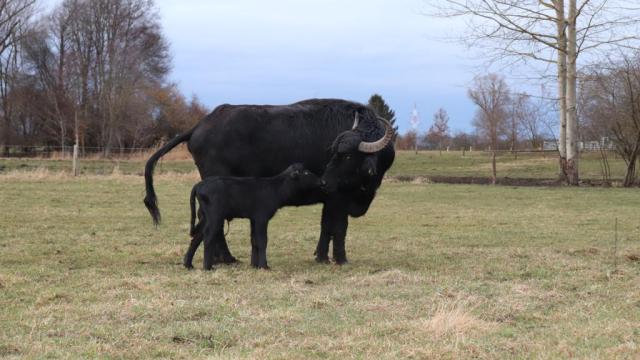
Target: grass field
(436, 271)
(424, 164)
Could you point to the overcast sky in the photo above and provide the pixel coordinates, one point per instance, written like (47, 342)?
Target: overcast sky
(282, 51)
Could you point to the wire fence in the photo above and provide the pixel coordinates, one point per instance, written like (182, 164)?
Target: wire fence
(66, 152)
(92, 152)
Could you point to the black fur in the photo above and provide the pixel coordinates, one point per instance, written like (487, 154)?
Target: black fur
(257, 199)
(261, 141)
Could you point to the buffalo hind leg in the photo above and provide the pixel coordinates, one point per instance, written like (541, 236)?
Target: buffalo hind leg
(223, 254)
(220, 251)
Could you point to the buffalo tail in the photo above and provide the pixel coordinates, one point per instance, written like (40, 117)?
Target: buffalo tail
(150, 200)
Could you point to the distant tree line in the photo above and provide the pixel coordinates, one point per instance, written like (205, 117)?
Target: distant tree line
(504, 120)
(95, 70)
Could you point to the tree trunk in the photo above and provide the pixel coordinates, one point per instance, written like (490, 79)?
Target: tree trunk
(562, 90)
(493, 167)
(573, 153)
(630, 177)
(7, 136)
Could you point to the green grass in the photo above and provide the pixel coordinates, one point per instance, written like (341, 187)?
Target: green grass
(478, 164)
(436, 271)
(426, 163)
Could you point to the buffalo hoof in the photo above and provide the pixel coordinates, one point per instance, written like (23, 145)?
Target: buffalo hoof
(342, 261)
(229, 260)
(322, 260)
(225, 260)
(188, 266)
(264, 267)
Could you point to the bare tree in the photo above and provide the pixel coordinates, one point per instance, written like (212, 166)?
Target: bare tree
(407, 141)
(528, 119)
(553, 32)
(438, 132)
(491, 94)
(14, 18)
(105, 55)
(612, 108)
(463, 141)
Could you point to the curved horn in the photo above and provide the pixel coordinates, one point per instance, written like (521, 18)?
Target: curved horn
(355, 122)
(375, 146)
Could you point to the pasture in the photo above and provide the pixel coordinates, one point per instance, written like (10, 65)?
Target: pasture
(407, 163)
(436, 271)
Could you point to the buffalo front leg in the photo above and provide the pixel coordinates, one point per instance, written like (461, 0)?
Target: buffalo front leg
(335, 221)
(322, 250)
(340, 222)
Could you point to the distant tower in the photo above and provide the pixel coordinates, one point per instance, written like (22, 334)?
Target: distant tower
(415, 121)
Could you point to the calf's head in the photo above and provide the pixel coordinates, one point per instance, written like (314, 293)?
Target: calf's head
(301, 179)
(354, 160)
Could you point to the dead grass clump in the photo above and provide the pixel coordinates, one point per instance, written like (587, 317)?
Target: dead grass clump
(452, 319)
(40, 173)
(387, 277)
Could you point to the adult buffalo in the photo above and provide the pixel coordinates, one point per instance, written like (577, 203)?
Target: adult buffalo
(342, 140)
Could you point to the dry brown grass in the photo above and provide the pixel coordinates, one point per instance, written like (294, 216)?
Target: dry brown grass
(180, 152)
(436, 271)
(453, 318)
(41, 174)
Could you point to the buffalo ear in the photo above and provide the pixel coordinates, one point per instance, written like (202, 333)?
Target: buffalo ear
(369, 165)
(295, 175)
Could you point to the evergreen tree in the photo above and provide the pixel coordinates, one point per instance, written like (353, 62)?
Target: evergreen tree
(377, 103)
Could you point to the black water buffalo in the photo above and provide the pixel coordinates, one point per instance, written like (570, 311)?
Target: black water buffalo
(258, 199)
(345, 141)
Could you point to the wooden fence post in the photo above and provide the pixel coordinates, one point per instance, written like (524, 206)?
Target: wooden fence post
(75, 159)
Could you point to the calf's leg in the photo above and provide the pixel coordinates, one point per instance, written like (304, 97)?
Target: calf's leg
(224, 255)
(211, 231)
(261, 244)
(254, 246)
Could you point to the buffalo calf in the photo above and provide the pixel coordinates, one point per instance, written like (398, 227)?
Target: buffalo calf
(257, 199)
